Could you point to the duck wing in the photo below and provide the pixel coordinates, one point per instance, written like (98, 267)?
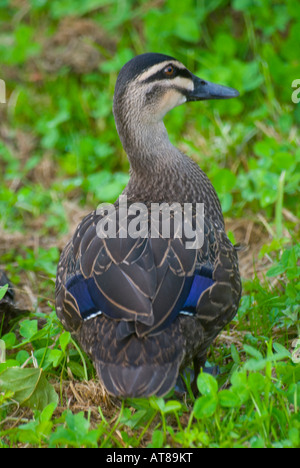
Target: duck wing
(132, 302)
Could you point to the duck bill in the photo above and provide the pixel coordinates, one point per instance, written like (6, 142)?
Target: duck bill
(204, 90)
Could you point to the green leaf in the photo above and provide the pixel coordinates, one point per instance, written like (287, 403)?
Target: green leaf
(257, 382)
(257, 442)
(30, 387)
(77, 369)
(157, 403)
(255, 364)
(228, 399)
(172, 405)
(28, 328)
(239, 379)
(240, 386)
(207, 384)
(253, 351)
(205, 406)
(157, 439)
(235, 354)
(77, 422)
(294, 436)
(281, 351)
(64, 340)
(9, 339)
(76, 433)
(47, 412)
(3, 291)
(224, 180)
(276, 270)
(55, 356)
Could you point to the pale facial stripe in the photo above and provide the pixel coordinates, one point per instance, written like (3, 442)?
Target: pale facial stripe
(181, 82)
(159, 67)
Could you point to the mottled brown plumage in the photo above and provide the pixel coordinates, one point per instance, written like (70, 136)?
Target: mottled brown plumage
(144, 307)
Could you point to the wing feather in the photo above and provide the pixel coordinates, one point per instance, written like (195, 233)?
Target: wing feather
(139, 286)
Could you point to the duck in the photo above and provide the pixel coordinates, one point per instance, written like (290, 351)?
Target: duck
(145, 304)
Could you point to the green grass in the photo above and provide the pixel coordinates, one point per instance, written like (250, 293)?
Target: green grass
(60, 157)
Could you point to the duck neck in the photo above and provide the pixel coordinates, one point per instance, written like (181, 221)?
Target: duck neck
(147, 146)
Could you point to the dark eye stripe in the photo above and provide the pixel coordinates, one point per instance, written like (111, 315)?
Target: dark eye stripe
(160, 75)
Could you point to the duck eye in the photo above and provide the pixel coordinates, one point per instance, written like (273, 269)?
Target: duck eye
(169, 70)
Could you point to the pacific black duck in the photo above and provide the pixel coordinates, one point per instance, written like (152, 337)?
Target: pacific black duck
(144, 306)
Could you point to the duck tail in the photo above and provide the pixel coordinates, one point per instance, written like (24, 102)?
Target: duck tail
(134, 367)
